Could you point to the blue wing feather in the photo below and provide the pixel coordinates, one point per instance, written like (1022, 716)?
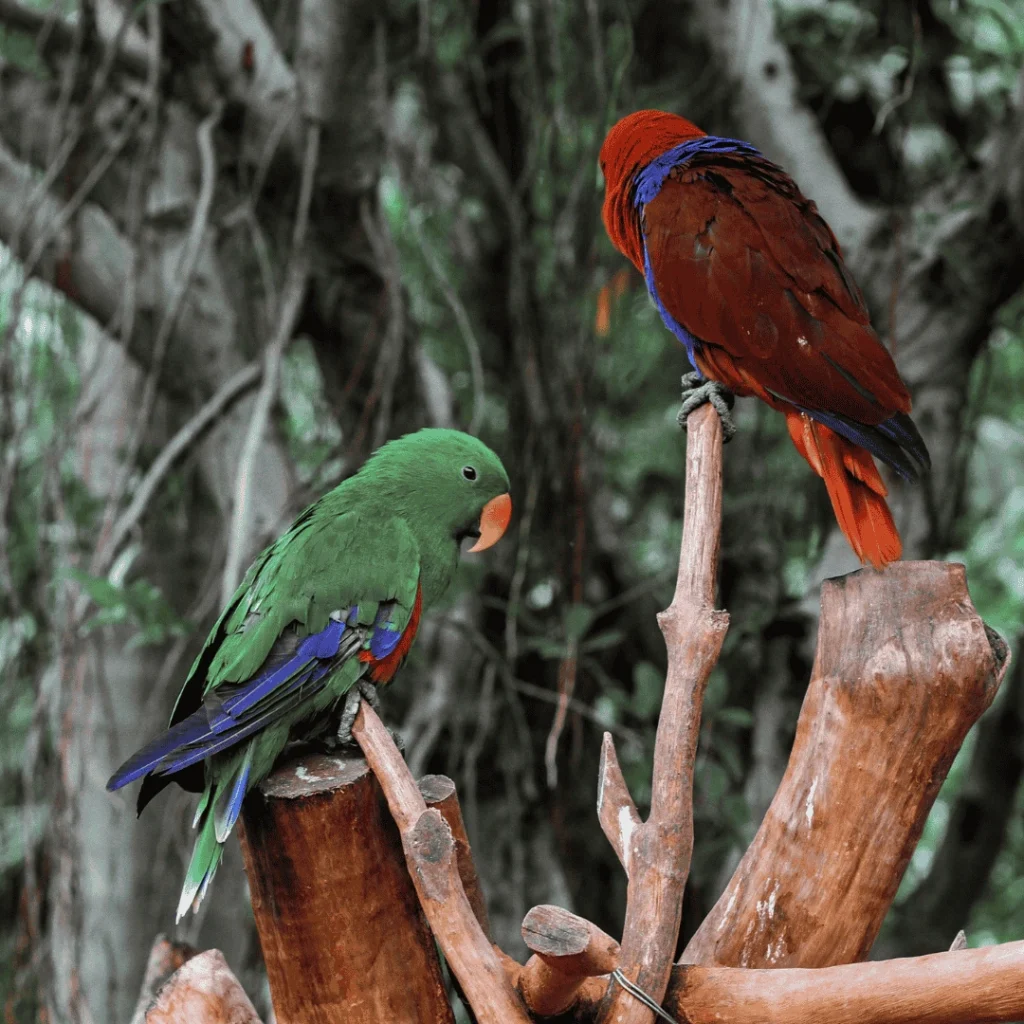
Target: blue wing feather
(292, 673)
(386, 634)
(232, 713)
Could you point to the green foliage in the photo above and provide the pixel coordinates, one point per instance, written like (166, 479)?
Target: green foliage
(309, 427)
(138, 604)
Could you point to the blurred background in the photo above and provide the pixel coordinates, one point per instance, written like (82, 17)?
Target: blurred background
(247, 241)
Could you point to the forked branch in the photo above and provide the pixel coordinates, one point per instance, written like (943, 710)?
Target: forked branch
(656, 853)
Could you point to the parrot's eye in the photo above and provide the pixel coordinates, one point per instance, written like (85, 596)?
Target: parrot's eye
(469, 472)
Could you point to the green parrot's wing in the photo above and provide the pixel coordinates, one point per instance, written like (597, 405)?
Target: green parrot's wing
(330, 589)
(321, 566)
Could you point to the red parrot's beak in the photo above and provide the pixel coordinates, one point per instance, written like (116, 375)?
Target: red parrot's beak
(493, 521)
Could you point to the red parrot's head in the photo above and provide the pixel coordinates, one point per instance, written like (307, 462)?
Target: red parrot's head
(629, 146)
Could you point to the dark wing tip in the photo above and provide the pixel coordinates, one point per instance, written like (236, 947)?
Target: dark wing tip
(902, 429)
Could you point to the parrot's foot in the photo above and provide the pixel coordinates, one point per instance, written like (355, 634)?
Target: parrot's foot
(697, 391)
(363, 689)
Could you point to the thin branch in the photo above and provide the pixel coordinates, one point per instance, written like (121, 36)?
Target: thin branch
(431, 856)
(130, 54)
(462, 320)
(659, 850)
(183, 276)
(439, 791)
(232, 389)
(291, 304)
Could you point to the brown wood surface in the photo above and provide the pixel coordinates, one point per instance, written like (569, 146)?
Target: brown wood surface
(433, 865)
(202, 991)
(341, 930)
(969, 986)
(904, 667)
(165, 957)
(657, 851)
(439, 791)
(567, 951)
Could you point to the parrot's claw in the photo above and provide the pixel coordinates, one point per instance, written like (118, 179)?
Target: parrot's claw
(697, 391)
(363, 689)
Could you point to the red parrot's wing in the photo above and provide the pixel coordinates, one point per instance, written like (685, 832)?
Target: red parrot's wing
(742, 261)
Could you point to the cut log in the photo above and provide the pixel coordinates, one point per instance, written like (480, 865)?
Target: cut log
(968, 986)
(904, 667)
(202, 991)
(342, 934)
(568, 952)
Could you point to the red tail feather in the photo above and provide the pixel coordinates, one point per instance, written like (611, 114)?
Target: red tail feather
(854, 487)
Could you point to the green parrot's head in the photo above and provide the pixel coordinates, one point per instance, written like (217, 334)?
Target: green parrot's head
(448, 485)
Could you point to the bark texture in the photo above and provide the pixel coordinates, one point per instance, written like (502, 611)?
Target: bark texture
(904, 668)
(343, 937)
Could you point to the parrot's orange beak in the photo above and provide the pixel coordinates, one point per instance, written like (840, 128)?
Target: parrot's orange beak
(493, 521)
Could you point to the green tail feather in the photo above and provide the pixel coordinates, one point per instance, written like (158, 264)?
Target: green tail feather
(206, 855)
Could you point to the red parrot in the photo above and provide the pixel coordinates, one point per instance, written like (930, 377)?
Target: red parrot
(749, 277)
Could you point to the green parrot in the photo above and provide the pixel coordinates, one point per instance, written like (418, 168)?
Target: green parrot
(323, 616)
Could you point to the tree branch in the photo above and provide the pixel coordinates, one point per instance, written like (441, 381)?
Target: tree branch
(660, 848)
(430, 854)
(438, 791)
(970, 986)
(962, 986)
(164, 959)
(185, 438)
(977, 823)
(616, 811)
(568, 952)
(56, 33)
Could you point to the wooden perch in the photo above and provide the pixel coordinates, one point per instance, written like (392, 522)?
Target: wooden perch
(963, 986)
(342, 934)
(165, 958)
(433, 865)
(202, 991)
(439, 791)
(969, 986)
(904, 667)
(568, 952)
(656, 853)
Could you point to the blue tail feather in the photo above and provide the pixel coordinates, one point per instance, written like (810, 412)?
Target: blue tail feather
(228, 804)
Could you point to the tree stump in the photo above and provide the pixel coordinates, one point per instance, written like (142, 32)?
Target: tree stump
(202, 991)
(342, 933)
(904, 668)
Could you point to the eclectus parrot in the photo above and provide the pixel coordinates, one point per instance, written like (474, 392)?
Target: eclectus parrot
(326, 612)
(747, 275)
